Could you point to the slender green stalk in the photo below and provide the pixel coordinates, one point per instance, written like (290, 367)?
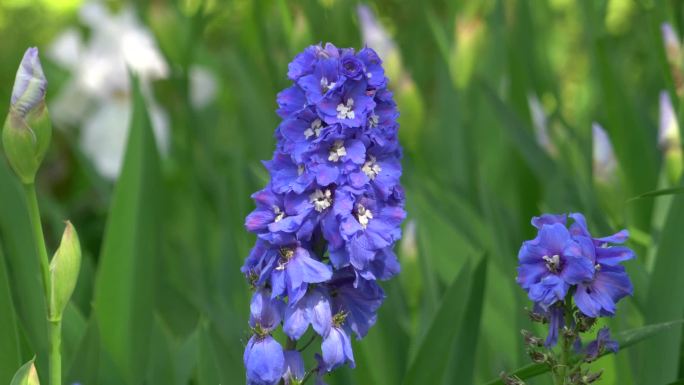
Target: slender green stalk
(54, 325)
(38, 239)
(307, 376)
(55, 352)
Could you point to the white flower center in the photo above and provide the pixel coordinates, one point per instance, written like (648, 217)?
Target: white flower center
(286, 254)
(280, 214)
(345, 111)
(314, 130)
(300, 169)
(373, 120)
(326, 85)
(363, 215)
(552, 263)
(597, 267)
(371, 168)
(321, 200)
(337, 151)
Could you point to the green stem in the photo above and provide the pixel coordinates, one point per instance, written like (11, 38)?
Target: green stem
(55, 352)
(54, 325)
(307, 376)
(566, 346)
(38, 239)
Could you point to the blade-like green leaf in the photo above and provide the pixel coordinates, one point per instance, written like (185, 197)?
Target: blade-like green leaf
(10, 353)
(657, 193)
(626, 339)
(22, 265)
(659, 357)
(124, 289)
(448, 322)
(536, 158)
(461, 360)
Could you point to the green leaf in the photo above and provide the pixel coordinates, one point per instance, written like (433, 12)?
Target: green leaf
(659, 358)
(26, 375)
(534, 156)
(10, 352)
(22, 265)
(124, 289)
(657, 193)
(84, 365)
(449, 321)
(461, 360)
(626, 339)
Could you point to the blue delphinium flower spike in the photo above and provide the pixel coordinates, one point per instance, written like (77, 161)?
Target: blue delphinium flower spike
(328, 220)
(573, 278)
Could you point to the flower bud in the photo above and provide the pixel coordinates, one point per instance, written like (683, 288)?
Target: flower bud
(669, 139)
(530, 339)
(510, 380)
(27, 130)
(64, 269)
(604, 161)
(537, 356)
(26, 375)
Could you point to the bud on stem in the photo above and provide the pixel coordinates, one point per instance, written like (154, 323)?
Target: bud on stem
(27, 130)
(26, 375)
(64, 269)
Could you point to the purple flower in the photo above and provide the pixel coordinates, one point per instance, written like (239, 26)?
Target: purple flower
(610, 283)
(294, 367)
(337, 349)
(600, 344)
(350, 107)
(264, 358)
(327, 221)
(550, 263)
(313, 309)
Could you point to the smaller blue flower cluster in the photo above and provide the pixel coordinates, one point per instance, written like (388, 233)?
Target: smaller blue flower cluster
(568, 262)
(327, 222)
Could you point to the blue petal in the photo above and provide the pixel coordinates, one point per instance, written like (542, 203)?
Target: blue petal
(548, 219)
(264, 360)
(294, 366)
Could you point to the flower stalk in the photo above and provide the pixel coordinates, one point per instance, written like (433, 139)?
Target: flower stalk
(26, 137)
(573, 278)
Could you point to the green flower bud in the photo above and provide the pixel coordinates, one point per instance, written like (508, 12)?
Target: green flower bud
(64, 269)
(26, 375)
(27, 130)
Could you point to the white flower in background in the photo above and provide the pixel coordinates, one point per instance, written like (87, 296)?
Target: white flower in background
(98, 96)
(374, 35)
(203, 86)
(540, 124)
(669, 139)
(604, 161)
(673, 48)
(668, 128)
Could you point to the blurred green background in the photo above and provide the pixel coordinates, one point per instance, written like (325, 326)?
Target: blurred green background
(497, 101)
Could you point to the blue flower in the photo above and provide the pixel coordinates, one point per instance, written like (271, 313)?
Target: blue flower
(337, 349)
(327, 221)
(600, 344)
(264, 358)
(294, 367)
(314, 309)
(610, 283)
(550, 263)
(565, 261)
